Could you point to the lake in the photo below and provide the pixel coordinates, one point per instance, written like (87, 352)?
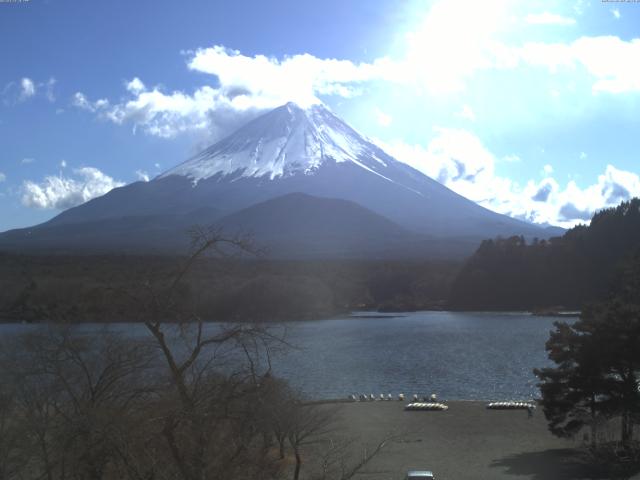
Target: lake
(457, 355)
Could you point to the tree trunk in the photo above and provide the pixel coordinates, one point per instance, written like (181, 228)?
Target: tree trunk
(594, 425)
(625, 434)
(296, 473)
(267, 441)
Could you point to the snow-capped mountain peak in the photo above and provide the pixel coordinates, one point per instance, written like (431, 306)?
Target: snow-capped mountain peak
(288, 151)
(288, 140)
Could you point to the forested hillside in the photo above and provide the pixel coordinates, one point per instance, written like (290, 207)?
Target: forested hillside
(109, 287)
(564, 272)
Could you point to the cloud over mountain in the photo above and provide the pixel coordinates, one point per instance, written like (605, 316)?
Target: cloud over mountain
(459, 160)
(60, 192)
(246, 86)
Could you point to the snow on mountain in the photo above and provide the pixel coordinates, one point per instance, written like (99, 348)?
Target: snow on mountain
(291, 149)
(286, 141)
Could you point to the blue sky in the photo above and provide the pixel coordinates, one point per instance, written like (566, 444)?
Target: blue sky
(529, 108)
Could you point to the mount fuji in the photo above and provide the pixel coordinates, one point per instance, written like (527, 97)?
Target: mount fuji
(302, 181)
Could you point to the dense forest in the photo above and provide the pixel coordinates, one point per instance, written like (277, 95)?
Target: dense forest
(109, 287)
(564, 272)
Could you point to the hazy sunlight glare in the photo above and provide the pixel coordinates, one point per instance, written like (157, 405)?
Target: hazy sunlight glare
(453, 40)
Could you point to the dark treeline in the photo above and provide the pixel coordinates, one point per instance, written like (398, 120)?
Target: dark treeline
(563, 272)
(99, 288)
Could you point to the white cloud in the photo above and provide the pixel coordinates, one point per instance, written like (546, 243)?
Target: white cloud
(456, 158)
(80, 100)
(460, 161)
(609, 60)
(579, 6)
(60, 192)
(49, 89)
(583, 155)
(382, 118)
(512, 158)
(142, 175)
(455, 39)
(616, 185)
(448, 48)
(27, 161)
(244, 86)
(547, 18)
(467, 113)
(298, 78)
(544, 189)
(135, 86)
(569, 212)
(27, 88)
(169, 114)
(3, 177)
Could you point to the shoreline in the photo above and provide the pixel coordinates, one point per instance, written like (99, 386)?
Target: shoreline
(346, 315)
(395, 401)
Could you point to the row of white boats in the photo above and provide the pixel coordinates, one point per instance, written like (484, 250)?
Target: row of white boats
(372, 398)
(430, 403)
(432, 406)
(511, 405)
(493, 406)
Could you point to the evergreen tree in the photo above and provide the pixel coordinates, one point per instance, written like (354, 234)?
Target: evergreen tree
(597, 372)
(567, 271)
(573, 392)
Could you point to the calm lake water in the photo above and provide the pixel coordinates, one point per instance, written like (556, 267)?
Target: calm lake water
(459, 356)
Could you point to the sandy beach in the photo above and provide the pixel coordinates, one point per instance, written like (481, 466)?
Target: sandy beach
(465, 442)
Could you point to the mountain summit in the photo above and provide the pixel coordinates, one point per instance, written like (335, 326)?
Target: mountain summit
(286, 141)
(285, 151)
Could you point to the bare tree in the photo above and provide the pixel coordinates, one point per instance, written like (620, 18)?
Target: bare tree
(337, 460)
(12, 455)
(215, 375)
(75, 394)
(308, 423)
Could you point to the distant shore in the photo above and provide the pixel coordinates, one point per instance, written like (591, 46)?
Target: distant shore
(558, 313)
(354, 315)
